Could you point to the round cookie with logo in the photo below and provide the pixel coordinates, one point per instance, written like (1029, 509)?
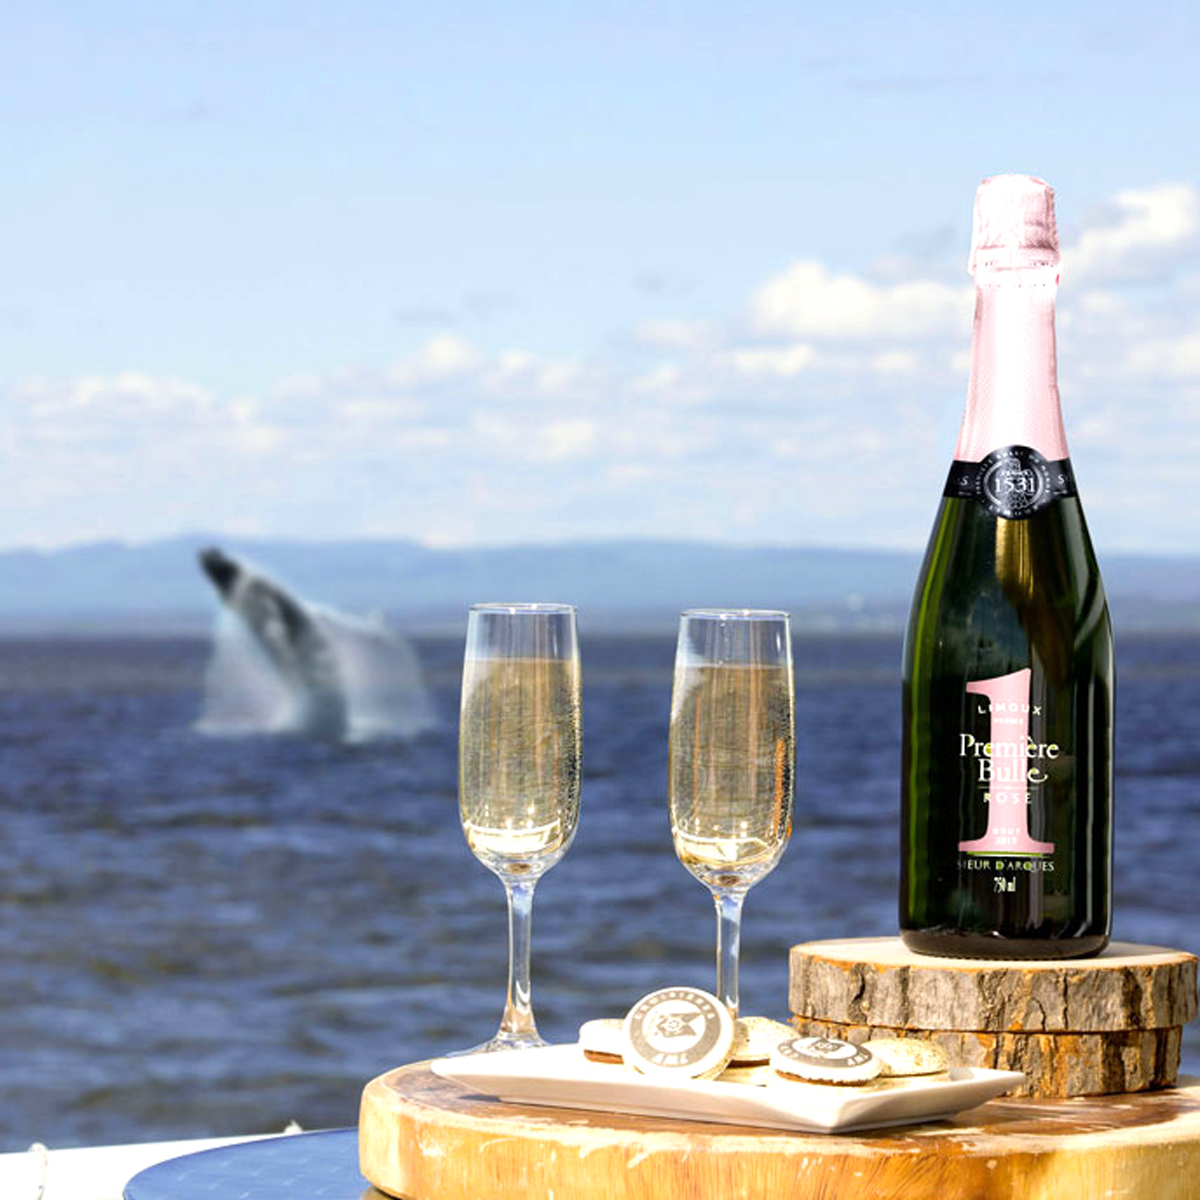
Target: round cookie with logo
(678, 1033)
(822, 1060)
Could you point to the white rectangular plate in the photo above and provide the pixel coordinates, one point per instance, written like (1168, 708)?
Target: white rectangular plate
(561, 1077)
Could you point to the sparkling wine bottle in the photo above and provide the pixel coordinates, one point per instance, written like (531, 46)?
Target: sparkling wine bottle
(1006, 821)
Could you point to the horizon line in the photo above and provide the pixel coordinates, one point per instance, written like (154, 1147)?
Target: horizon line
(301, 540)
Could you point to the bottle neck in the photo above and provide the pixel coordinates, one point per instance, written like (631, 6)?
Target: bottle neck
(1012, 397)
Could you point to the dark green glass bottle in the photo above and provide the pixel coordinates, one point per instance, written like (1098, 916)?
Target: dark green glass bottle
(1006, 822)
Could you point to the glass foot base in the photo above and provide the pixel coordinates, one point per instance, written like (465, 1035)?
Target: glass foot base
(504, 1041)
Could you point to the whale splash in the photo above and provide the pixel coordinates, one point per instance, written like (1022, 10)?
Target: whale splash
(281, 665)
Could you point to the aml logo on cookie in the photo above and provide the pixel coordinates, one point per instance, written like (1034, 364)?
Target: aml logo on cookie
(673, 1025)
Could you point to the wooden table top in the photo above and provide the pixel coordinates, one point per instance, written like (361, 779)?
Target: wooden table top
(426, 1138)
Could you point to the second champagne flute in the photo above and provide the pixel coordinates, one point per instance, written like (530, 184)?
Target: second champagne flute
(519, 743)
(732, 749)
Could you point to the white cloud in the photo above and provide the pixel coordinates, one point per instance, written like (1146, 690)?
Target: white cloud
(443, 356)
(780, 361)
(895, 362)
(418, 437)
(379, 409)
(1137, 235)
(1166, 357)
(569, 439)
(806, 300)
(536, 440)
(257, 440)
(673, 383)
(521, 374)
(127, 394)
(624, 474)
(675, 335)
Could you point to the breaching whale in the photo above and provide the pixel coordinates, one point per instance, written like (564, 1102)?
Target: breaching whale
(290, 638)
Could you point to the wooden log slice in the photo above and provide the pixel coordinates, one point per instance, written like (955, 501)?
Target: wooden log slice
(1055, 1064)
(879, 982)
(424, 1138)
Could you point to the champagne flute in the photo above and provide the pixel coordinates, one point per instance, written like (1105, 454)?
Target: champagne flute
(519, 749)
(732, 749)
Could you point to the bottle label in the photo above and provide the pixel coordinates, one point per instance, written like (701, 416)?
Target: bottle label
(1015, 482)
(1007, 765)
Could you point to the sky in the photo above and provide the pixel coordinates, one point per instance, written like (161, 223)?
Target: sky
(531, 272)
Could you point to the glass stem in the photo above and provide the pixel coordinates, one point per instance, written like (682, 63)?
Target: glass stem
(518, 1010)
(729, 937)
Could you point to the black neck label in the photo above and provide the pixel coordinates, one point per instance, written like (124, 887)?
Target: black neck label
(1015, 482)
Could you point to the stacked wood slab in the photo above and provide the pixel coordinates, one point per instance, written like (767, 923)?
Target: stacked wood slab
(1076, 1027)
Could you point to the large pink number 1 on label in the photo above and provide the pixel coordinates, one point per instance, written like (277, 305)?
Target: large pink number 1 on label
(1007, 792)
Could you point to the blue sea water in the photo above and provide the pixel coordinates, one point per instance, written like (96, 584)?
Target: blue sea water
(214, 935)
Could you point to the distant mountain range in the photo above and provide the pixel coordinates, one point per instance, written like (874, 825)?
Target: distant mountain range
(629, 584)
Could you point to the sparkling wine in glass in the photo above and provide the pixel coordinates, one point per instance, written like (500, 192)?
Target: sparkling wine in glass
(732, 749)
(519, 749)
